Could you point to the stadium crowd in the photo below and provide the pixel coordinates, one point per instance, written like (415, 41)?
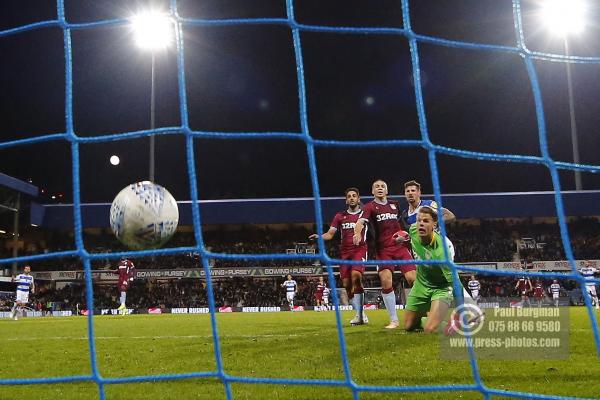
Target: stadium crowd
(474, 241)
(485, 240)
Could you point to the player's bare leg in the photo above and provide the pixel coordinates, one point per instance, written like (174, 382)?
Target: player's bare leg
(389, 297)
(412, 320)
(347, 283)
(437, 313)
(411, 277)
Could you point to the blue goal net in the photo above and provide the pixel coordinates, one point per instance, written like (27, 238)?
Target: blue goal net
(433, 151)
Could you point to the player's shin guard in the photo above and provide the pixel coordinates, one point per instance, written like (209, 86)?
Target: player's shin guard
(123, 297)
(389, 299)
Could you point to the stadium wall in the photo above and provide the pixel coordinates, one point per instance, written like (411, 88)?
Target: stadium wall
(311, 270)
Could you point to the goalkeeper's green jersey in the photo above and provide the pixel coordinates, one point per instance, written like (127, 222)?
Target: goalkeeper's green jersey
(436, 275)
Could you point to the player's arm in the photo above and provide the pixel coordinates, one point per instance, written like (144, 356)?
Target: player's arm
(360, 224)
(333, 228)
(446, 270)
(326, 236)
(132, 273)
(448, 215)
(32, 288)
(358, 228)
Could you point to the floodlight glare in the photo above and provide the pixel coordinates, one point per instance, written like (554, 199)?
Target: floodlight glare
(152, 30)
(564, 16)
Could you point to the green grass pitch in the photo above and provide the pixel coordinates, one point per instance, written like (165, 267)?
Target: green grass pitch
(281, 345)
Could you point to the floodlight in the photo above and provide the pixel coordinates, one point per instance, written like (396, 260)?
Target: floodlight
(152, 31)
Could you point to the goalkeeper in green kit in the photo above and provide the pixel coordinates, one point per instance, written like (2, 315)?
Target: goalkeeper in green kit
(433, 289)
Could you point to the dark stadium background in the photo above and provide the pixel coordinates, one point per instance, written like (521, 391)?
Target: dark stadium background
(359, 87)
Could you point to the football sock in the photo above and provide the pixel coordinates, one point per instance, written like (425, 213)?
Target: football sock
(359, 294)
(355, 303)
(360, 302)
(389, 300)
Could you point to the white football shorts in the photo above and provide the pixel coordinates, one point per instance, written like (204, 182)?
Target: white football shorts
(22, 297)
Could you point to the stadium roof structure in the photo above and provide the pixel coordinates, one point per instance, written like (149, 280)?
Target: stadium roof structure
(301, 210)
(14, 193)
(18, 185)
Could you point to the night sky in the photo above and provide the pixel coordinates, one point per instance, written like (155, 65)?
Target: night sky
(243, 79)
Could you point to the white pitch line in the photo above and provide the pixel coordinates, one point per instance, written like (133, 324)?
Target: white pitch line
(149, 337)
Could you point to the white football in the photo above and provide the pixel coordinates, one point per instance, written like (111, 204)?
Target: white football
(144, 215)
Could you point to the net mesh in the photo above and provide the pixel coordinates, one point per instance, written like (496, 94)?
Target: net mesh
(424, 142)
